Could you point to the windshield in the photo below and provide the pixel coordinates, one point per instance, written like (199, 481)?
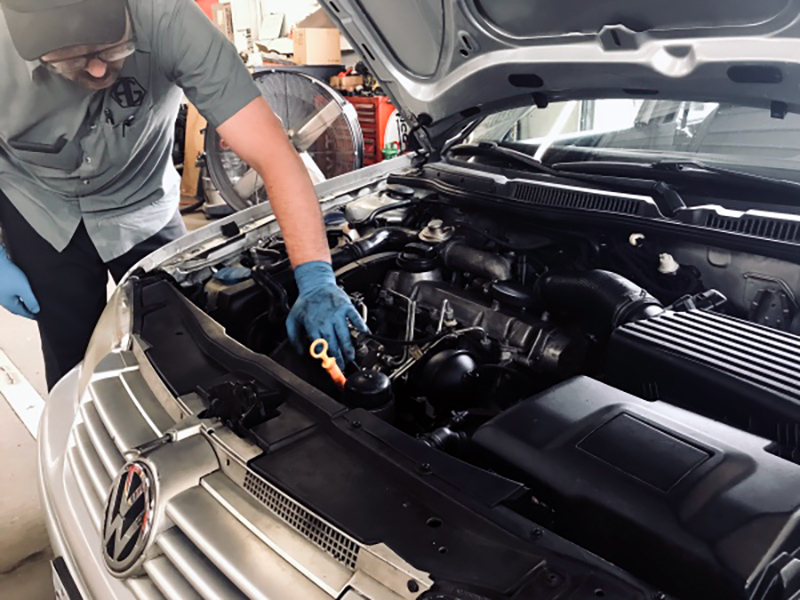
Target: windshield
(647, 130)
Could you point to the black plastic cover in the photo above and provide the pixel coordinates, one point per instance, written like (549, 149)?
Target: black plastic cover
(743, 374)
(513, 294)
(688, 503)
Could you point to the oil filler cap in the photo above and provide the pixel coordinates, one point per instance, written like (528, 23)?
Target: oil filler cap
(418, 258)
(371, 390)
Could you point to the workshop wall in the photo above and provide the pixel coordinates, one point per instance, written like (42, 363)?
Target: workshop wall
(267, 20)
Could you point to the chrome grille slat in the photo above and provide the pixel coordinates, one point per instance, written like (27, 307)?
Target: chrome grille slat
(206, 579)
(330, 573)
(113, 364)
(120, 415)
(146, 401)
(236, 551)
(103, 444)
(93, 504)
(98, 475)
(169, 580)
(342, 548)
(144, 589)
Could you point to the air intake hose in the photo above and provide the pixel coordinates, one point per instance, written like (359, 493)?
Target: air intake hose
(601, 299)
(483, 264)
(385, 239)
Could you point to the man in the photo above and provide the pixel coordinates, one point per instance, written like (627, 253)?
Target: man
(89, 91)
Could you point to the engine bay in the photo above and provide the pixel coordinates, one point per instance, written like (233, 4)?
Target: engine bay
(467, 319)
(454, 319)
(557, 357)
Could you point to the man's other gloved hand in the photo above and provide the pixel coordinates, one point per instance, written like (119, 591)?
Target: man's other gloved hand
(16, 295)
(322, 310)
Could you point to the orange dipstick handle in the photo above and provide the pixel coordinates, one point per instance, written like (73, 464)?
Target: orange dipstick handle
(328, 363)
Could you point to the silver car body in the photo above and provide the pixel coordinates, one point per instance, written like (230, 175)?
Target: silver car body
(216, 523)
(219, 531)
(453, 60)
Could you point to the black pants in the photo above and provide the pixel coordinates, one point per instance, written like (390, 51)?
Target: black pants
(70, 285)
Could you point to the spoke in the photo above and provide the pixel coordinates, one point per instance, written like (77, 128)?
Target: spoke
(310, 132)
(248, 185)
(317, 176)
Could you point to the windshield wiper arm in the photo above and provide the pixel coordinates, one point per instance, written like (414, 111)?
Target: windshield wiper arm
(674, 170)
(691, 166)
(493, 150)
(667, 199)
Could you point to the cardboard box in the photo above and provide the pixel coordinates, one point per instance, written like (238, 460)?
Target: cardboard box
(348, 84)
(222, 15)
(317, 41)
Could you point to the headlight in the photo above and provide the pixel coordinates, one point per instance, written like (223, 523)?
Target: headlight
(112, 333)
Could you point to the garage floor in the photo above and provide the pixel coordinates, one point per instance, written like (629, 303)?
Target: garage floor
(24, 549)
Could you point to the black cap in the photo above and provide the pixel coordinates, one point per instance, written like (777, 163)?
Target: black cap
(39, 27)
(368, 389)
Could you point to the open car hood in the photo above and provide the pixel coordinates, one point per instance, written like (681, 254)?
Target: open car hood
(445, 62)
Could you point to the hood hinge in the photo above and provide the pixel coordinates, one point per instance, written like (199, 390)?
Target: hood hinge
(419, 132)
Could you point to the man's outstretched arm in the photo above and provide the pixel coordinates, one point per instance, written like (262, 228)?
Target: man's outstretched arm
(194, 54)
(256, 135)
(322, 310)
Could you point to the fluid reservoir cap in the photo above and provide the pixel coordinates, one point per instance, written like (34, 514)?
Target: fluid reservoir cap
(335, 219)
(399, 192)
(418, 258)
(370, 390)
(436, 232)
(232, 275)
(512, 294)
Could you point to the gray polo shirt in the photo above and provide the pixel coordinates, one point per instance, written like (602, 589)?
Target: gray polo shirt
(68, 154)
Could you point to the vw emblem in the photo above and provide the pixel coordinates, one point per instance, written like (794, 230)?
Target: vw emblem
(128, 518)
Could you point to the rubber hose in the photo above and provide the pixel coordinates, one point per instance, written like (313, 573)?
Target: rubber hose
(481, 263)
(601, 299)
(383, 209)
(385, 239)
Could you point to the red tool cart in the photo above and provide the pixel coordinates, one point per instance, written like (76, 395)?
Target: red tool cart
(378, 121)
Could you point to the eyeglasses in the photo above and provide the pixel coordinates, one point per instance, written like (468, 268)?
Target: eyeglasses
(76, 64)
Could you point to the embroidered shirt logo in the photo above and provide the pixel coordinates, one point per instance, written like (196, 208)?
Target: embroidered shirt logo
(128, 93)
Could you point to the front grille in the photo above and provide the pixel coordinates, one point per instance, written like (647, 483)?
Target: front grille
(335, 543)
(210, 522)
(95, 457)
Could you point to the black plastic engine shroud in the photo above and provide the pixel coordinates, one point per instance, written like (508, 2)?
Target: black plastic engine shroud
(679, 499)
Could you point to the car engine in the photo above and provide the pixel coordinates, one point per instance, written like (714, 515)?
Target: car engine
(631, 401)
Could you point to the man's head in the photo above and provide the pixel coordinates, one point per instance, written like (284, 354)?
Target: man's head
(85, 41)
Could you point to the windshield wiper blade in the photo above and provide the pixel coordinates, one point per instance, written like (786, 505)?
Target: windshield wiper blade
(674, 170)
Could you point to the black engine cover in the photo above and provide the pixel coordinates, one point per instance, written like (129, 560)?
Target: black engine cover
(733, 371)
(688, 503)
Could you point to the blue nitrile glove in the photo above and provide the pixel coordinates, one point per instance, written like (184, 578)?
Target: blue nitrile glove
(16, 295)
(322, 310)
